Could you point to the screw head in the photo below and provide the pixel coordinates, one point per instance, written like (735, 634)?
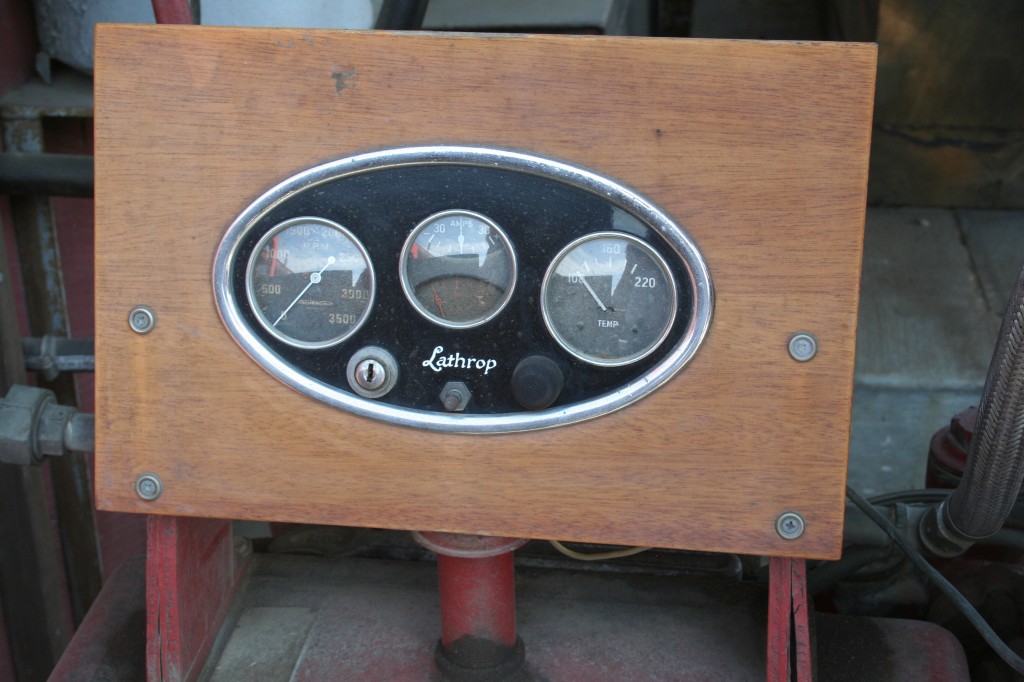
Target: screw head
(790, 525)
(142, 319)
(803, 346)
(149, 486)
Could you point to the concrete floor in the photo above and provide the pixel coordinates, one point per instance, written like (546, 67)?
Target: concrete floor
(934, 286)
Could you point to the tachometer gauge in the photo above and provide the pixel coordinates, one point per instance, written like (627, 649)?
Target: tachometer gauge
(310, 282)
(458, 269)
(609, 299)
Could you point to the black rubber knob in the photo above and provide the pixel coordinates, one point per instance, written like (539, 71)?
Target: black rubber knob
(536, 382)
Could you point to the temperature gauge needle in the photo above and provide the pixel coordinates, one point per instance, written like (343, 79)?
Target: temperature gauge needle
(314, 278)
(592, 292)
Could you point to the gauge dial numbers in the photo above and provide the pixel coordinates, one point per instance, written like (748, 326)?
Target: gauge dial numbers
(310, 282)
(608, 299)
(458, 269)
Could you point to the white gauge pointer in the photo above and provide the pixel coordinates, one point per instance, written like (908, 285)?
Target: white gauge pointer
(592, 292)
(314, 278)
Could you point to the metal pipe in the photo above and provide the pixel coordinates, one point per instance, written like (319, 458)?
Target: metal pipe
(995, 462)
(51, 355)
(66, 175)
(477, 599)
(31, 580)
(476, 577)
(176, 11)
(33, 426)
(46, 304)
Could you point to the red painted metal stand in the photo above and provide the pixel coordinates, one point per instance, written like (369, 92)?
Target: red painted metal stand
(476, 577)
(175, 11)
(192, 574)
(789, 634)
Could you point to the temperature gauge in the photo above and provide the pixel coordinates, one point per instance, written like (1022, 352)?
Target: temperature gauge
(310, 282)
(609, 299)
(458, 269)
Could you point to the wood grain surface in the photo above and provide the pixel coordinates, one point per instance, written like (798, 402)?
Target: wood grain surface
(758, 149)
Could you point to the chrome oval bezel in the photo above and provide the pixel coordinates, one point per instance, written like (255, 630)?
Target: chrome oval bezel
(568, 347)
(616, 194)
(267, 324)
(410, 292)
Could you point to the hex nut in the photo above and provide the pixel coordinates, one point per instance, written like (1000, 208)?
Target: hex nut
(455, 396)
(20, 412)
(790, 525)
(142, 319)
(149, 487)
(803, 346)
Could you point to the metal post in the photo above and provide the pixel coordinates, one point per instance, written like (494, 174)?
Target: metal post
(789, 637)
(31, 581)
(476, 576)
(47, 314)
(176, 11)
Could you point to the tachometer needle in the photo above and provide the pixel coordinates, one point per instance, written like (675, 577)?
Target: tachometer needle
(592, 292)
(314, 278)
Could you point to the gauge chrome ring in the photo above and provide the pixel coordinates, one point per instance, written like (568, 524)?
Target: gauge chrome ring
(409, 289)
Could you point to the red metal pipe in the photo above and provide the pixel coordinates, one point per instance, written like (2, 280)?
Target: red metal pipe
(476, 577)
(174, 12)
(478, 598)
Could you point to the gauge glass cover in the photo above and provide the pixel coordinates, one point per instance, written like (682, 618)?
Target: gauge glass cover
(609, 299)
(458, 269)
(310, 282)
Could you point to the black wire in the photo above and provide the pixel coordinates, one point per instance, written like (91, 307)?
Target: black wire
(829, 574)
(973, 617)
(911, 496)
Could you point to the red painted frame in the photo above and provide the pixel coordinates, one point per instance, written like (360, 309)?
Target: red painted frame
(192, 576)
(789, 633)
(173, 12)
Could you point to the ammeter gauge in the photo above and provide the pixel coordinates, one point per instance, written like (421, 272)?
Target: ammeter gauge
(310, 282)
(458, 269)
(609, 299)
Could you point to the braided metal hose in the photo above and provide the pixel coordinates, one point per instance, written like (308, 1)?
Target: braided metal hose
(995, 462)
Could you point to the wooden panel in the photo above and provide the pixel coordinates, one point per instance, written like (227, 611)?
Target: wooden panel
(758, 149)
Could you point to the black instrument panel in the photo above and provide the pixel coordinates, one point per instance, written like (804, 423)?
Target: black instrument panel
(616, 273)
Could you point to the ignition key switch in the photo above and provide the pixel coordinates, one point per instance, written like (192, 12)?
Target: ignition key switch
(372, 372)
